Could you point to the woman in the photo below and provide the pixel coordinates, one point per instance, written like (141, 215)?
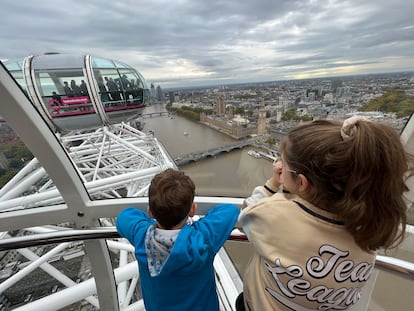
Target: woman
(315, 243)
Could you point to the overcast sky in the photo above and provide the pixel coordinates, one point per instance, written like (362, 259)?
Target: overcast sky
(202, 42)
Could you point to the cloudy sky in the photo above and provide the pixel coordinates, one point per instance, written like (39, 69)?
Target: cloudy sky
(202, 42)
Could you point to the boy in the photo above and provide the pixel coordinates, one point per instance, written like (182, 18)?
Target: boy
(175, 259)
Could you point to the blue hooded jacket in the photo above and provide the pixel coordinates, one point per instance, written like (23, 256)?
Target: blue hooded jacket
(186, 280)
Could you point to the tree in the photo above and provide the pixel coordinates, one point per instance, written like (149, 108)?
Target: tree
(6, 176)
(18, 155)
(392, 101)
(291, 115)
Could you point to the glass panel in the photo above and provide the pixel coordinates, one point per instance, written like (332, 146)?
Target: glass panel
(121, 97)
(65, 265)
(392, 292)
(201, 152)
(57, 61)
(112, 83)
(16, 70)
(121, 65)
(118, 162)
(64, 92)
(143, 81)
(224, 168)
(14, 65)
(102, 63)
(21, 175)
(102, 89)
(147, 95)
(131, 86)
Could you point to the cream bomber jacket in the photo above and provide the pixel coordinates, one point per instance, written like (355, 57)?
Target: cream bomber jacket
(304, 258)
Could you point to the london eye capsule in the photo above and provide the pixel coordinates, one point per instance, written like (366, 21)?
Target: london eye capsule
(81, 91)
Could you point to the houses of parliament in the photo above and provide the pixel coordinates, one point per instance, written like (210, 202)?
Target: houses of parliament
(235, 126)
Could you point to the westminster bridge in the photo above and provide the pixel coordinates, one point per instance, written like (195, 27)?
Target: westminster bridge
(212, 152)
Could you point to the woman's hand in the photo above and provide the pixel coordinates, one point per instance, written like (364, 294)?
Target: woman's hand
(276, 180)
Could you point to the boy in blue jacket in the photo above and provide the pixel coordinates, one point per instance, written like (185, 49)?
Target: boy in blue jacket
(175, 259)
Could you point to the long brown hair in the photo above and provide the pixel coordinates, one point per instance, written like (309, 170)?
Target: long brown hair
(361, 177)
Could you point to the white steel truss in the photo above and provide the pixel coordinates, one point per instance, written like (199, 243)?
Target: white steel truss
(113, 162)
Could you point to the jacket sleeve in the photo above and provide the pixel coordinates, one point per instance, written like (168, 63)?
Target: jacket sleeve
(131, 221)
(263, 214)
(217, 224)
(260, 192)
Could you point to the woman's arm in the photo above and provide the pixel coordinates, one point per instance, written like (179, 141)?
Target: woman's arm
(271, 186)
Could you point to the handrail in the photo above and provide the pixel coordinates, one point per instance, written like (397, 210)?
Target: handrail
(72, 235)
(399, 267)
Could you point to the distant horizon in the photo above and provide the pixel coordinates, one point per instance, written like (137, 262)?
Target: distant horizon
(205, 84)
(287, 80)
(213, 84)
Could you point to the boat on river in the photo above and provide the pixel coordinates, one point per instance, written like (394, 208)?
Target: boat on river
(254, 154)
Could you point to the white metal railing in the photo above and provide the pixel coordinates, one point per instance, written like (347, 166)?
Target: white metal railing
(126, 275)
(402, 268)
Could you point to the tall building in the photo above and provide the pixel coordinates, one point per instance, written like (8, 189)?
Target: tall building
(159, 96)
(152, 91)
(230, 112)
(335, 84)
(220, 106)
(261, 123)
(284, 102)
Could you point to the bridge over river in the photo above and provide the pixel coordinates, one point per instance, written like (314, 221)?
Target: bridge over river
(157, 114)
(196, 156)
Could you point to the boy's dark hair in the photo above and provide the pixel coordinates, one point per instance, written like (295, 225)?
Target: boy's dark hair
(171, 195)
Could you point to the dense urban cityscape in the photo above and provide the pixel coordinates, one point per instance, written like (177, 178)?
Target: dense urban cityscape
(288, 102)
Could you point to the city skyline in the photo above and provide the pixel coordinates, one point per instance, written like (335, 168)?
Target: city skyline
(198, 43)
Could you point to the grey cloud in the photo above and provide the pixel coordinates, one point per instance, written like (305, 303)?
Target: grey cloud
(225, 39)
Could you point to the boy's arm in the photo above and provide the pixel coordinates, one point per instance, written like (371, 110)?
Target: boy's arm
(130, 221)
(217, 224)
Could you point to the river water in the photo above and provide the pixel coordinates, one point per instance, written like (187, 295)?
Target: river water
(229, 174)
